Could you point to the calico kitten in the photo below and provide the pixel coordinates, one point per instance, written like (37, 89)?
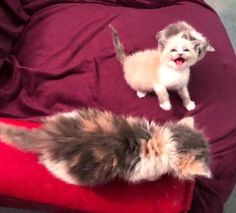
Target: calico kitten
(90, 147)
(158, 70)
(189, 32)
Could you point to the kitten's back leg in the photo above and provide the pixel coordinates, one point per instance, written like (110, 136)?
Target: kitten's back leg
(141, 94)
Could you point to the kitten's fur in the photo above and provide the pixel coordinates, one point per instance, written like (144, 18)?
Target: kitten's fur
(182, 27)
(90, 147)
(167, 67)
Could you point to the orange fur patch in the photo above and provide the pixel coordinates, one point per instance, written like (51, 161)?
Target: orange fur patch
(94, 122)
(89, 126)
(155, 146)
(98, 153)
(190, 166)
(105, 121)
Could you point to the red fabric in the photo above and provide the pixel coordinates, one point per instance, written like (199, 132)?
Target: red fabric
(24, 178)
(58, 55)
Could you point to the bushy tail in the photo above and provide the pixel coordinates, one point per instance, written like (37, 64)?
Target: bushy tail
(118, 46)
(20, 137)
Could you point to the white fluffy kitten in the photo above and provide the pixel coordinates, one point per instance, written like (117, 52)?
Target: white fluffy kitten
(158, 70)
(153, 70)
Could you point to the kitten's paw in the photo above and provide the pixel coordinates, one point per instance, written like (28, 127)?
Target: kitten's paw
(190, 106)
(141, 94)
(166, 105)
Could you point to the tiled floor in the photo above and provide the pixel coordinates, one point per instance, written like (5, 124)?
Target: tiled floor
(226, 10)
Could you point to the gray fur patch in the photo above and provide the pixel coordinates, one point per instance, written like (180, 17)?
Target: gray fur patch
(118, 46)
(190, 141)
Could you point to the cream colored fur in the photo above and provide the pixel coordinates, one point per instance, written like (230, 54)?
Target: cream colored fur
(155, 70)
(59, 169)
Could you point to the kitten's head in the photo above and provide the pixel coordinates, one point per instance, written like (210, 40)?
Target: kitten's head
(188, 32)
(191, 156)
(179, 53)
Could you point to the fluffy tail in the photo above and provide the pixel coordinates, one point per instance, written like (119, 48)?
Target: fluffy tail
(118, 46)
(20, 137)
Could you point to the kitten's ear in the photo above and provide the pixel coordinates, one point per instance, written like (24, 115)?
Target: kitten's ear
(185, 35)
(192, 167)
(199, 169)
(187, 121)
(152, 124)
(161, 41)
(210, 48)
(161, 45)
(196, 43)
(158, 35)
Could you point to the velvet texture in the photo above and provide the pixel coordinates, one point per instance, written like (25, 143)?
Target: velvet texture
(58, 55)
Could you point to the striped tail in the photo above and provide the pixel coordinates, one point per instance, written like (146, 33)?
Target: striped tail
(118, 46)
(20, 137)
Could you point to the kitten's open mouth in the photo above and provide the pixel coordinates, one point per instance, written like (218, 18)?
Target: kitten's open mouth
(179, 60)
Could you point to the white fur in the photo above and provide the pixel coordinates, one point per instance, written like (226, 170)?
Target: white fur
(190, 106)
(171, 79)
(59, 169)
(141, 94)
(72, 114)
(165, 105)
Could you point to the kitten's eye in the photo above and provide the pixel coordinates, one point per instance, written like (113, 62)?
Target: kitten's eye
(173, 50)
(186, 50)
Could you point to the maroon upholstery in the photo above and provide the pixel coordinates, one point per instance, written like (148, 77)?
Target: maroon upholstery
(59, 56)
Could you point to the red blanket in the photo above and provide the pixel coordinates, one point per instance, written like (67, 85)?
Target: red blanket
(57, 55)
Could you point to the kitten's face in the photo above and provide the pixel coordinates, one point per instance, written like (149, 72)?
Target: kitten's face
(182, 28)
(192, 151)
(179, 53)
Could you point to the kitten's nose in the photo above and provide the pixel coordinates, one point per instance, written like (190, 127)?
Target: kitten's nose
(180, 54)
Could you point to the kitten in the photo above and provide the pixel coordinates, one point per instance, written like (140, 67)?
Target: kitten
(90, 147)
(158, 70)
(189, 32)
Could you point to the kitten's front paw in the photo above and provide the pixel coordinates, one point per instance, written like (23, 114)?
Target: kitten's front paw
(190, 106)
(166, 105)
(141, 94)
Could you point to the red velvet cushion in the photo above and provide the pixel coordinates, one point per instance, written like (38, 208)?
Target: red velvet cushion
(22, 177)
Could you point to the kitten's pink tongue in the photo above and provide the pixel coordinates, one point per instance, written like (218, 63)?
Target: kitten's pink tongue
(179, 61)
